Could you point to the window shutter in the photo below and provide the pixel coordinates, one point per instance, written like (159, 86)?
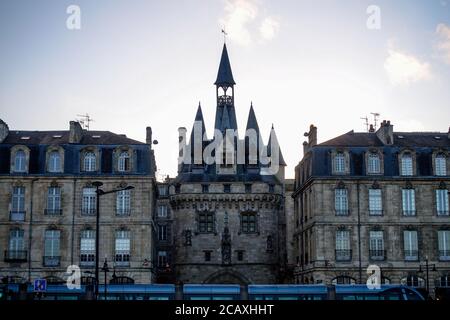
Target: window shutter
(357, 164)
(106, 160)
(424, 164)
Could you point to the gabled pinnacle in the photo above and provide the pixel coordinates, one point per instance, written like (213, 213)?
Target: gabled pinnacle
(252, 123)
(224, 75)
(273, 136)
(198, 119)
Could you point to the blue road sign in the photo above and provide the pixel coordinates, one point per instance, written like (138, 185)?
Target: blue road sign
(40, 285)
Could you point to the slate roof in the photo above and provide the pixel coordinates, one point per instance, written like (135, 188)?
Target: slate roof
(52, 137)
(225, 75)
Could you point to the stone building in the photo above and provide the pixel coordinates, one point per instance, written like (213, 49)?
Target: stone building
(228, 214)
(164, 239)
(373, 198)
(48, 204)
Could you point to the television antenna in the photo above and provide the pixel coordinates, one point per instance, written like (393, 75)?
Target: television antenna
(85, 120)
(376, 115)
(366, 122)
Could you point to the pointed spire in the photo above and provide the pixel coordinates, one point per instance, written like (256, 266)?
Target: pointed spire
(273, 136)
(252, 123)
(198, 118)
(224, 75)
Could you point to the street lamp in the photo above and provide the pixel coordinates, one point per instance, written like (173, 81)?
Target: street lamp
(99, 192)
(427, 265)
(105, 269)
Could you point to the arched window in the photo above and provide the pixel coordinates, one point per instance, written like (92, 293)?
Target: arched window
(406, 168)
(124, 162)
(20, 161)
(54, 162)
(339, 163)
(16, 250)
(89, 162)
(444, 281)
(373, 163)
(440, 164)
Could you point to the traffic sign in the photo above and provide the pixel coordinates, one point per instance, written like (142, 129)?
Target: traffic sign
(40, 285)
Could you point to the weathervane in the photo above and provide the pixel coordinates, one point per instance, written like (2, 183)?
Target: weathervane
(224, 35)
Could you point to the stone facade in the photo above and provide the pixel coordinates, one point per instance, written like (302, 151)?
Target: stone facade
(322, 256)
(26, 224)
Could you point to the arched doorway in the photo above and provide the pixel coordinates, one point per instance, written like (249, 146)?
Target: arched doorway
(227, 277)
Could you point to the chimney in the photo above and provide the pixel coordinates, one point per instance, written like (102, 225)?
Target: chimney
(148, 138)
(312, 136)
(386, 133)
(4, 130)
(305, 147)
(371, 128)
(76, 132)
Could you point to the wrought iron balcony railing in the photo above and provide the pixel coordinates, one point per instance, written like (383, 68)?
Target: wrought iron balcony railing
(16, 255)
(343, 254)
(411, 255)
(378, 255)
(17, 215)
(53, 212)
(52, 261)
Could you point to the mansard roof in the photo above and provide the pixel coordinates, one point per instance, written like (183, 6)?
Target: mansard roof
(62, 137)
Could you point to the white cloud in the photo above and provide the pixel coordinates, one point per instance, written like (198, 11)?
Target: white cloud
(404, 69)
(242, 18)
(269, 28)
(443, 45)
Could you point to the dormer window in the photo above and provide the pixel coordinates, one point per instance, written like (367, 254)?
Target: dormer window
(339, 163)
(440, 164)
(406, 168)
(124, 162)
(54, 162)
(20, 161)
(373, 163)
(89, 161)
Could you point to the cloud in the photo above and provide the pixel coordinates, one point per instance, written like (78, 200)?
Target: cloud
(443, 44)
(242, 18)
(404, 69)
(269, 28)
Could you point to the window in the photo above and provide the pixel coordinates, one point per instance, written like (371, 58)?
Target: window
(205, 188)
(442, 202)
(18, 204)
(410, 245)
(413, 281)
(54, 162)
(53, 201)
(89, 201)
(207, 255)
(89, 161)
(248, 188)
(375, 202)
(124, 162)
(227, 188)
(339, 163)
(444, 245)
(406, 165)
(444, 281)
(51, 248)
(16, 246)
(123, 202)
(87, 248)
(409, 202)
(343, 252)
(240, 255)
(440, 164)
(20, 161)
(248, 222)
(162, 211)
(376, 245)
(123, 245)
(162, 191)
(162, 232)
(206, 222)
(373, 163)
(341, 202)
(162, 259)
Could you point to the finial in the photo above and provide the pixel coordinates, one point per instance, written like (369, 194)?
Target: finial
(272, 126)
(199, 104)
(224, 35)
(251, 104)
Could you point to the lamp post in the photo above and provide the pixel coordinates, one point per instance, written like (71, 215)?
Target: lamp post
(99, 192)
(427, 265)
(105, 269)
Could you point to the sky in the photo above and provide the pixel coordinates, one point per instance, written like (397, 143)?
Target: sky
(132, 64)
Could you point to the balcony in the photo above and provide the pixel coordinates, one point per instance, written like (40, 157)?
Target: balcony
(377, 255)
(411, 255)
(409, 213)
(123, 212)
(17, 215)
(122, 260)
(342, 212)
(444, 255)
(53, 212)
(343, 255)
(88, 211)
(52, 261)
(443, 213)
(375, 212)
(16, 255)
